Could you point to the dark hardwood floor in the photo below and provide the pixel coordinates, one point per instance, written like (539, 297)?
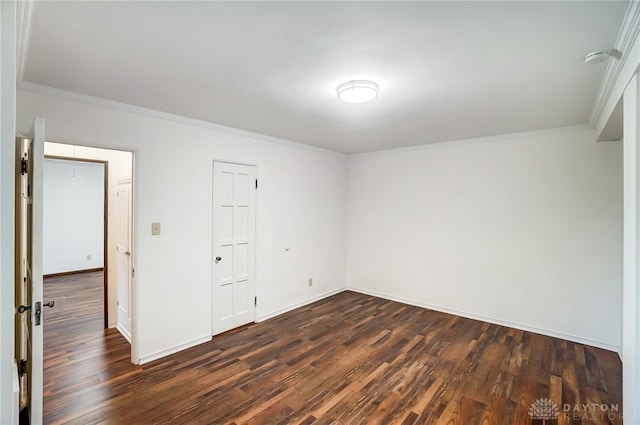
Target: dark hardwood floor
(78, 311)
(348, 359)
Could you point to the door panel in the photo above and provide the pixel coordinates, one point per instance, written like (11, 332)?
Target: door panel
(123, 257)
(29, 293)
(234, 203)
(23, 295)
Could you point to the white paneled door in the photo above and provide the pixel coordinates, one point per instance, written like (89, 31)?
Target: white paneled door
(122, 221)
(234, 217)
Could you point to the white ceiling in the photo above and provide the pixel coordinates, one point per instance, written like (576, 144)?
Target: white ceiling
(446, 70)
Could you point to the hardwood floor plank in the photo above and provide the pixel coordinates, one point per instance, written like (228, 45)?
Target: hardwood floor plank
(348, 359)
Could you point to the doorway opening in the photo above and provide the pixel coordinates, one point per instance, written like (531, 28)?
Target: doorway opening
(81, 163)
(89, 287)
(75, 229)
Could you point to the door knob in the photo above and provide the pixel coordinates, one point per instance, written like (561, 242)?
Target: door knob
(218, 259)
(24, 308)
(49, 304)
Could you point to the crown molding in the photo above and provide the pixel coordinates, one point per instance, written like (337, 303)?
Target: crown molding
(508, 137)
(139, 110)
(24, 21)
(111, 104)
(628, 34)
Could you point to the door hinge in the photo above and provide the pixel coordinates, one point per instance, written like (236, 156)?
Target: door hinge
(22, 368)
(255, 301)
(256, 184)
(23, 166)
(133, 272)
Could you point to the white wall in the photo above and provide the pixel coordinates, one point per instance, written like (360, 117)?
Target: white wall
(520, 230)
(7, 159)
(119, 167)
(301, 204)
(73, 228)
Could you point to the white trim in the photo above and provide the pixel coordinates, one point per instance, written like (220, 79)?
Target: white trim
(124, 332)
(247, 164)
(178, 348)
(299, 304)
(631, 250)
(626, 37)
(25, 19)
(163, 353)
(16, 395)
(561, 335)
(484, 139)
(262, 318)
(111, 104)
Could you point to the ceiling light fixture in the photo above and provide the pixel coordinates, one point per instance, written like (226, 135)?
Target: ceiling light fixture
(357, 91)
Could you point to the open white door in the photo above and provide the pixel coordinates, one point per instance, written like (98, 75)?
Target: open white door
(29, 302)
(234, 221)
(123, 256)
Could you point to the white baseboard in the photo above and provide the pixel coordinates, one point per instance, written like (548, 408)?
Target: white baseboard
(555, 334)
(298, 305)
(262, 318)
(159, 354)
(172, 350)
(124, 332)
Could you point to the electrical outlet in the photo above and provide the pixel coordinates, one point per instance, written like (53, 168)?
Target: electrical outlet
(155, 229)
(310, 281)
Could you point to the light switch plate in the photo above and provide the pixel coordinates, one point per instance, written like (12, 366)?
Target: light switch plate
(155, 229)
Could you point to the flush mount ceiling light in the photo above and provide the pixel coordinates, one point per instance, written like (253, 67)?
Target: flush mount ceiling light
(357, 91)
